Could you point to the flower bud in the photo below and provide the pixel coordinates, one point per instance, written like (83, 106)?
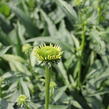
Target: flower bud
(26, 48)
(21, 100)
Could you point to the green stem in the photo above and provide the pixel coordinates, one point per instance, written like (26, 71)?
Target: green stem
(29, 62)
(27, 107)
(47, 85)
(81, 55)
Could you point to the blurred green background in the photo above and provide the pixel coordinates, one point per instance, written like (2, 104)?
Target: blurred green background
(80, 27)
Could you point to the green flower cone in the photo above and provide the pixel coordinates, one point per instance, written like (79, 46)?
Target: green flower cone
(48, 53)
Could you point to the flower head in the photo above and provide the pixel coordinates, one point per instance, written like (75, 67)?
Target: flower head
(48, 53)
(21, 100)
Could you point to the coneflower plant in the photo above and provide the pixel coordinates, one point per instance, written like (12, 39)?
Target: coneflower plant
(48, 54)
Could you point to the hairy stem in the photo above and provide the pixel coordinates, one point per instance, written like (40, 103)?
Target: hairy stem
(81, 54)
(47, 85)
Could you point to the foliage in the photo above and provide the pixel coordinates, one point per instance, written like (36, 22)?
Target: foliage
(80, 28)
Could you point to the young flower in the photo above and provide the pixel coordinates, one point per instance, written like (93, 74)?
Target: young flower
(48, 53)
(21, 100)
(26, 48)
(52, 84)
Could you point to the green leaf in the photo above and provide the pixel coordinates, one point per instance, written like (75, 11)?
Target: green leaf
(58, 107)
(3, 38)
(10, 58)
(57, 15)
(25, 88)
(16, 63)
(51, 27)
(59, 93)
(4, 9)
(5, 23)
(4, 50)
(31, 29)
(68, 9)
